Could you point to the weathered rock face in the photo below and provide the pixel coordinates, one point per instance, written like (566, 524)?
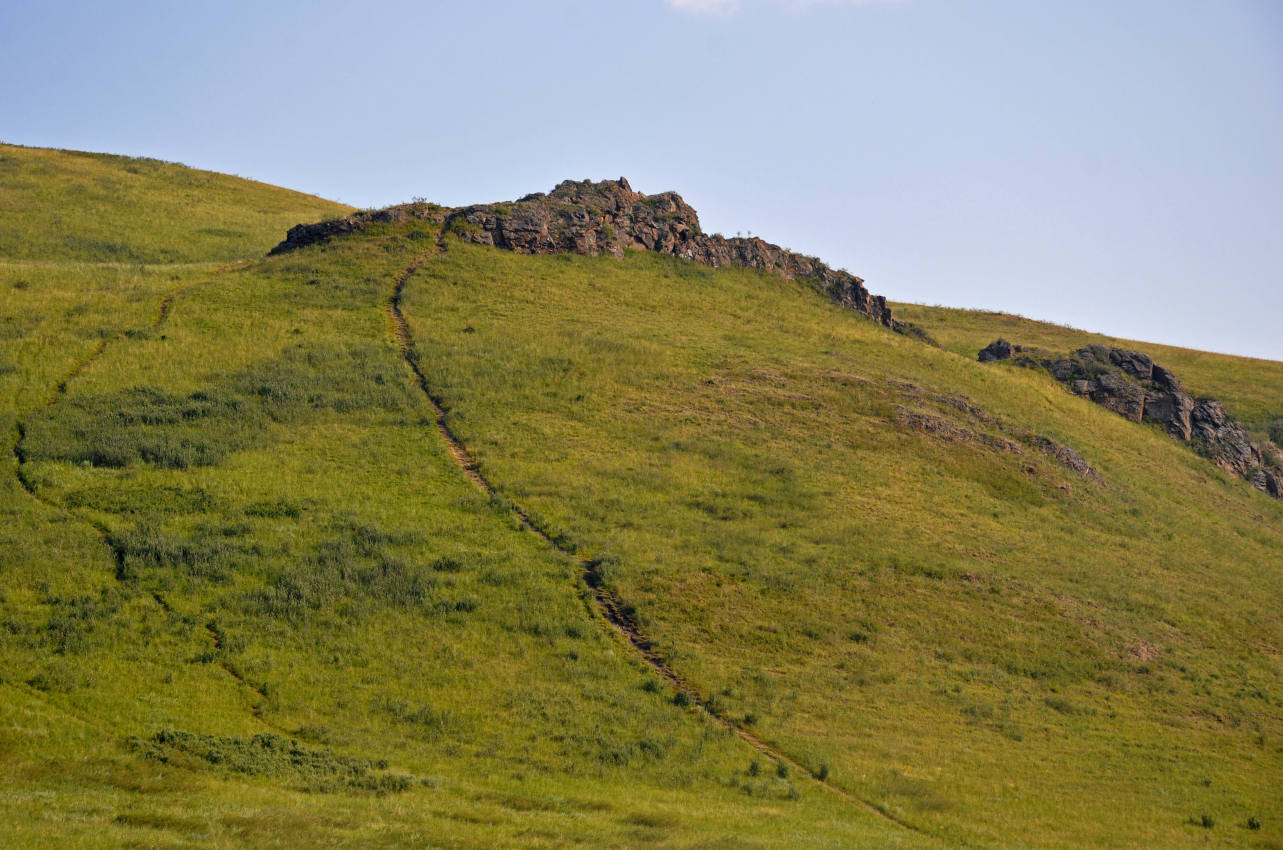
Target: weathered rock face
(1223, 439)
(1132, 385)
(608, 217)
(999, 349)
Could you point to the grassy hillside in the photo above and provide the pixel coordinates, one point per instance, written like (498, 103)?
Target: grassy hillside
(958, 627)
(70, 205)
(250, 597)
(1248, 386)
(250, 601)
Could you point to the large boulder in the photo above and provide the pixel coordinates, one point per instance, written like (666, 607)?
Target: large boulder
(1126, 398)
(999, 349)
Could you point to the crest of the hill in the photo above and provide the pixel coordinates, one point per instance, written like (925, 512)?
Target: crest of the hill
(607, 217)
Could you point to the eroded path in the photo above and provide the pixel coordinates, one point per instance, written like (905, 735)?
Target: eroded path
(163, 309)
(604, 603)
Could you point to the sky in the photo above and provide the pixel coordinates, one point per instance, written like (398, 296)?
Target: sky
(1116, 166)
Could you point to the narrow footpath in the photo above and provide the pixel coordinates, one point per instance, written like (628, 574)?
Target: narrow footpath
(607, 604)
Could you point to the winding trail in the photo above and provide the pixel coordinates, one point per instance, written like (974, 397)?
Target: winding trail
(163, 310)
(607, 605)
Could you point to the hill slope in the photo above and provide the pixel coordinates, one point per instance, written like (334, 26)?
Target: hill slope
(884, 596)
(71, 205)
(1250, 387)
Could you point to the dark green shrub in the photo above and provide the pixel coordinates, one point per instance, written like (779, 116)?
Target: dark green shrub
(1276, 432)
(275, 509)
(146, 547)
(446, 564)
(273, 755)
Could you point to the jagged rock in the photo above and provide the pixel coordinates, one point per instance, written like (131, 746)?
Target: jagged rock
(999, 349)
(1064, 455)
(608, 217)
(301, 235)
(949, 429)
(1170, 407)
(1221, 438)
(1111, 390)
(1138, 365)
(940, 427)
(1132, 385)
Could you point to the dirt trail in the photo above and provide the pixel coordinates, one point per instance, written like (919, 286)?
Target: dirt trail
(163, 309)
(608, 605)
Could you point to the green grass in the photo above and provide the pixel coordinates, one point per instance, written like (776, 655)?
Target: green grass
(914, 612)
(248, 598)
(70, 205)
(251, 600)
(1249, 387)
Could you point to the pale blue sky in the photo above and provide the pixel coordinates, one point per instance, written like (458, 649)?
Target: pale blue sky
(1117, 166)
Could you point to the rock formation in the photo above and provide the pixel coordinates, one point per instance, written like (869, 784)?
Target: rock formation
(1132, 385)
(999, 349)
(608, 217)
(301, 235)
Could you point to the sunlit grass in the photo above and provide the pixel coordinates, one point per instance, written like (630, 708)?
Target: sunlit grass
(889, 604)
(242, 522)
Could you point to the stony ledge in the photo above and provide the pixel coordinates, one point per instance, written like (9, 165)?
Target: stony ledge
(1132, 385)
(607, 217)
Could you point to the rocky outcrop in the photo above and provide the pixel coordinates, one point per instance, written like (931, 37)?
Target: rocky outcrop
(1132, 385)
(608, 217)
(999, 349)
(1224, 440)
(584, 217)
(302, 235)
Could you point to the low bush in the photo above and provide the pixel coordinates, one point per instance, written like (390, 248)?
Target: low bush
(145, 547)
(273, 755)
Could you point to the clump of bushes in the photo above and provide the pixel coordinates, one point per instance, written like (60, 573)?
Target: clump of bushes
(316, 769)
(139, 425)
(151, 425)
(1276, 432)
(145, 547)
(357, 564)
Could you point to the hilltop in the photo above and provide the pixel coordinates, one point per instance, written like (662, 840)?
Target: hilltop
(648, 538)
(608, 217)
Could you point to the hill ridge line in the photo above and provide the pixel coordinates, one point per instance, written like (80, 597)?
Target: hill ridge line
(607, 218)
(605, 604)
